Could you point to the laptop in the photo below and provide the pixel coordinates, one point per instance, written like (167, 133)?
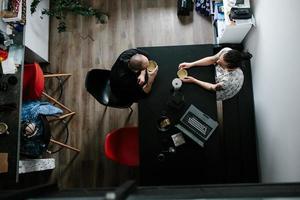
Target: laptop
(239, 2)
(197, 125)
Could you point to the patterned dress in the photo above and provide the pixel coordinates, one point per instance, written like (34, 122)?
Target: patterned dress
(231, 80)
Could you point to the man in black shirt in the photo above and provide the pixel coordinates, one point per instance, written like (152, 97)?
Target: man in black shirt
(129, 77)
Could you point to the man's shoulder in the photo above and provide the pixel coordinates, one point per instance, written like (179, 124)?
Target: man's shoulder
(131, 52)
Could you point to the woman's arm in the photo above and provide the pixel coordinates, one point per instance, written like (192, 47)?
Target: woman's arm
(210, 60)
(205, 61)
(203, 84)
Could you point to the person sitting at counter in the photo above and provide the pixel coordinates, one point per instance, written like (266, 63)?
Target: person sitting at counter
(229, 76)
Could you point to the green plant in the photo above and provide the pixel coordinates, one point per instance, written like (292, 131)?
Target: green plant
(60, 8)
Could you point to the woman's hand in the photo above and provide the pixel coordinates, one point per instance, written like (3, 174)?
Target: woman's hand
(217, 86)
(184, 65)
(203, 84)
(189, 79)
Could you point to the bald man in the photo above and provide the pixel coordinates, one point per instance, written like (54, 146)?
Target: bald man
(129, 78)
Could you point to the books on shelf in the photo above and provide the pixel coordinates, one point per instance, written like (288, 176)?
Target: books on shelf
(218, 14)
(16, 9)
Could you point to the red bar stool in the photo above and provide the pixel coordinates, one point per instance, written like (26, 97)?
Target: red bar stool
(122, 146)
(33, 89)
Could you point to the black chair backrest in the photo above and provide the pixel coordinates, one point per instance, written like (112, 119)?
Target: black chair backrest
(97, 83)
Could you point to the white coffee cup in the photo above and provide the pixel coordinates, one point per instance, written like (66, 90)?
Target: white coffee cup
(176, 83)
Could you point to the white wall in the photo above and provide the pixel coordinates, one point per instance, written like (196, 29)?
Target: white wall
(275, 46)
(37, 33)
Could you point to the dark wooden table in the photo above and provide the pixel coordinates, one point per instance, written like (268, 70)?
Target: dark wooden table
(191, 163)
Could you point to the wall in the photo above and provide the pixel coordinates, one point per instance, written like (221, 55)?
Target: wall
(37, 33)
(274, 43)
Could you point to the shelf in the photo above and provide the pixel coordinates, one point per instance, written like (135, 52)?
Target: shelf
(229, 31)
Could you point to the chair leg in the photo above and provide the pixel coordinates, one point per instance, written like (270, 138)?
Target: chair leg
(62, 116)
(65, 145)
(56, 75)
(55, 101)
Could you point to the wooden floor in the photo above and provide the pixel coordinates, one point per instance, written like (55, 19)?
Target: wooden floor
(86, 45)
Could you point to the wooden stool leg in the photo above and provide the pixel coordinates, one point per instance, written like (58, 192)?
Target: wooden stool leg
(62, 116)
(55, 75)
(55, 101)
(65, 145)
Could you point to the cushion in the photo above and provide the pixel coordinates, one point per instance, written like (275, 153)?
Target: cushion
(33, 82)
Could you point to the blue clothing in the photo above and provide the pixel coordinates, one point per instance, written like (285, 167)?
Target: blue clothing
(31, 113)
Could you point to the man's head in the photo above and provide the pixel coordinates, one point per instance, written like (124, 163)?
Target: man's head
(138, 62)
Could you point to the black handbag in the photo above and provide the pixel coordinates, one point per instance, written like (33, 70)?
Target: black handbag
(184, 7)
(240, 13)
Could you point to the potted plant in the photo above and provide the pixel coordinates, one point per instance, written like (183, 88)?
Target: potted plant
(60, 8)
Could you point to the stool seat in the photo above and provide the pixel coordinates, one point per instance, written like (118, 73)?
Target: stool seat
(33, 82)
(122, 146)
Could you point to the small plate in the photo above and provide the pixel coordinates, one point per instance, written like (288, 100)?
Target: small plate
(182, 73)
(3, 128)
(164, 123)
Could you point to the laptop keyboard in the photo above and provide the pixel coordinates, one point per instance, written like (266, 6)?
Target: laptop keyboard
(195, 124)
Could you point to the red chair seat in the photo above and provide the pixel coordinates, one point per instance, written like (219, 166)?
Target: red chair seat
(33, 82)
(122, 145)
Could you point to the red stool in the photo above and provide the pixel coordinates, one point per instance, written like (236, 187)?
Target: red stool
(122, 146)
(33, 89)
(33, 82)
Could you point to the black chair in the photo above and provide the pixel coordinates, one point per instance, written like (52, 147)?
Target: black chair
(34, 146)
(97, 83)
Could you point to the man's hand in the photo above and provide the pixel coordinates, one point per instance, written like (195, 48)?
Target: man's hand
(152, 75)
(141, 78)
(184, 65)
